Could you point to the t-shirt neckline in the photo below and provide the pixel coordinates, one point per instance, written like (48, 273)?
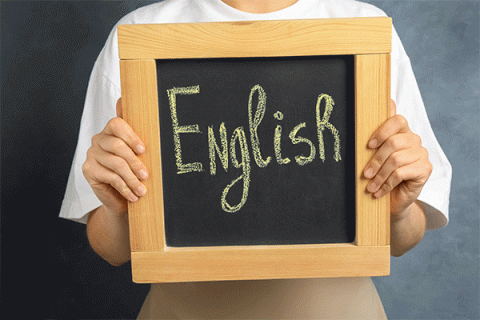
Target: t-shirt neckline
(296, 10)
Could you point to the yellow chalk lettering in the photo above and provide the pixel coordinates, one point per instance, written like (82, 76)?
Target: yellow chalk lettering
(213, 146)
(254, 122)
(277, 140)
(227, 150)
(323, 123)
(177, 129)
(238, 134)
(302, 160)
(278, 115)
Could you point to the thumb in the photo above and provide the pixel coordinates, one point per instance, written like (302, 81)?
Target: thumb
(393, 108)
(119, 108)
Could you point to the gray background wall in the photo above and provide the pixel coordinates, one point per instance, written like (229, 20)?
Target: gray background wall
(47, 51)
(440, 277)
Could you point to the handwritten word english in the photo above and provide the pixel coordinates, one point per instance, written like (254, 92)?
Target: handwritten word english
(227, 149)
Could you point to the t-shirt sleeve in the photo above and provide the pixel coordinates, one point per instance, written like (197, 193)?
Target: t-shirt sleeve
(405, 92)
(100, 106)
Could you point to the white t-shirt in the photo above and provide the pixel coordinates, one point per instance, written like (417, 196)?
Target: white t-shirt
(104, 91)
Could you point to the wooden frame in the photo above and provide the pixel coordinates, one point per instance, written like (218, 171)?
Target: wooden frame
(368, 39)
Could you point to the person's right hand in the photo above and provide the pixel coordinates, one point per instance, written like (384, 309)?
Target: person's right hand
(113, 168)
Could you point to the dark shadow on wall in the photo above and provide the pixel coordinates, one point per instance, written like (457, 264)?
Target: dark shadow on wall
(48, 49)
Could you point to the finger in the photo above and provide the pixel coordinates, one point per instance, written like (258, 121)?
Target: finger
(392, 144)
(393, 108)
(98, 160)
(118, 147)
(104, 177)
(394, 125)
(119, 108)
(395, 161)
(415, 174)
(121, 168)
(119, 128)
(113, 200)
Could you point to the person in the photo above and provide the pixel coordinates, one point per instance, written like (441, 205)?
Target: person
(106, 172)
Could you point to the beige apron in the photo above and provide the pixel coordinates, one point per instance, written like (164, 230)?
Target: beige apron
(334, 298)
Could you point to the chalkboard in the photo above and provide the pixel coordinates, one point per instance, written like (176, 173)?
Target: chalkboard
(294, 182)
(256, 135)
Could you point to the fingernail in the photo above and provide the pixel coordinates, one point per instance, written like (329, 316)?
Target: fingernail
(143, 174)
(132, 198)
(141, 191)
(378, 194)
(369, 173)
(140, 149)
(371, 187)
(373, 143)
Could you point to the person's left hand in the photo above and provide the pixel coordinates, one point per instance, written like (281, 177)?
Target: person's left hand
(400, 165)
